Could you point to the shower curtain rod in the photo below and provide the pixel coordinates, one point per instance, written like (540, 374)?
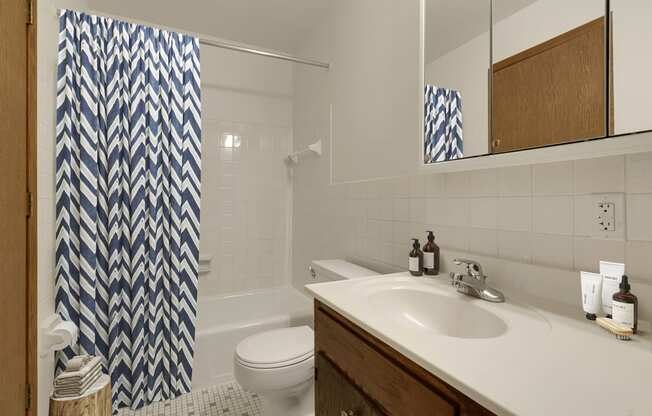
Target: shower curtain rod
(227, 45)
(276, 55)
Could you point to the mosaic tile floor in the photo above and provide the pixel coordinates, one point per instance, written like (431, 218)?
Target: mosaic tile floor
(227, 399)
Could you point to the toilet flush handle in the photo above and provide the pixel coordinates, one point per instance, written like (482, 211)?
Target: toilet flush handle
(312, 271)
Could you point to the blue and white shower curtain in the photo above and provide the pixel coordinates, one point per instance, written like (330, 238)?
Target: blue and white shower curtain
(443, 136)
(128, 171)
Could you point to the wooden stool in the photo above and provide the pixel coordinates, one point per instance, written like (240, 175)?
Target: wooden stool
(95, 402)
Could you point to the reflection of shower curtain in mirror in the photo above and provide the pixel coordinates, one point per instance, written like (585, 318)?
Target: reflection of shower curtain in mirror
(443, 125)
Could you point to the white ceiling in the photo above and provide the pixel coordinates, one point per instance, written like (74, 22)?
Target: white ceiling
(281, 24)
(272, 24)
(452, 23)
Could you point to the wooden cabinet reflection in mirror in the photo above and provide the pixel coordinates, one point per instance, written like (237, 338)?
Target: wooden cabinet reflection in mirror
(551, 93)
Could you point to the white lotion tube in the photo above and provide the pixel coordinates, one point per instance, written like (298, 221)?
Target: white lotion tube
(591, 293)
(611, 275)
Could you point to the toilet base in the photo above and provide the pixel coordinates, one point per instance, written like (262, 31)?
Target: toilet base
(301, 403)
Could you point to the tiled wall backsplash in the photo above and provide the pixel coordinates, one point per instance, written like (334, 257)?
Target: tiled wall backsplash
(539, 214)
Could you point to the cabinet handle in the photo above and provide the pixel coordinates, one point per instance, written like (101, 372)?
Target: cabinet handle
(347, 413)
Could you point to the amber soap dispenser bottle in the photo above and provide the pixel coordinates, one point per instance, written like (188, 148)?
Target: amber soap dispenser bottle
(625, 306)
(416, 259)
(431, 256)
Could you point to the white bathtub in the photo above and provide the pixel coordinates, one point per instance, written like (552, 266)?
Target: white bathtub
(224, 321)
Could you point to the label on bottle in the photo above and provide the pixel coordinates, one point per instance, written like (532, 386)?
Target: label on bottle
(623, 313)
(428, 260)
(414, 264)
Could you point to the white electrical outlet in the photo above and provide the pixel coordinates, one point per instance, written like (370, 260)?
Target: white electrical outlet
(606, 216)
(609, 216)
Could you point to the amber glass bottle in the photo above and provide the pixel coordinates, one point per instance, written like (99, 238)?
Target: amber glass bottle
(416, 259)
(431, 256)
(625, 306)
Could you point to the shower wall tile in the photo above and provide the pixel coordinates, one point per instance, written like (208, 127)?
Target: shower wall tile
(246, 191)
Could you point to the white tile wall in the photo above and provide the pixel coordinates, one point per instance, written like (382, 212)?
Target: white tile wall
(553, 178)
(639, 213)
(515, 213)
(639, 173)
(538, 214)
(600, 175)
(246, 189)
(553, 215)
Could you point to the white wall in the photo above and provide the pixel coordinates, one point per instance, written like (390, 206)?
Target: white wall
(540, 22)
(246, 191)
(375, 74)
(632, 36)
(48, 36)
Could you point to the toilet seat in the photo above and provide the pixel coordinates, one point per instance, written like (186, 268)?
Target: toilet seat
(277, 348)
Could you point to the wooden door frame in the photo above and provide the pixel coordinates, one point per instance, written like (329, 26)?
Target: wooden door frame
(32, 220)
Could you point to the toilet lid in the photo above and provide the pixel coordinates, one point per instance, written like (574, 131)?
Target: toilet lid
(277, 348)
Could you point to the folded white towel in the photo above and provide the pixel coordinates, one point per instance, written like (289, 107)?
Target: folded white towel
(88, 366)
(75, 390)
(65, 382)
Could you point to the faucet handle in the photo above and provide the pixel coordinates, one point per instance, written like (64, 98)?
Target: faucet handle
(473, 268)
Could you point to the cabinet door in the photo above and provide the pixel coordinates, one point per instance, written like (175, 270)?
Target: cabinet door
(336, 396)
(551, 93)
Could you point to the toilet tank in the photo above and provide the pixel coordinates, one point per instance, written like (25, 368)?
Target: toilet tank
(337, 269)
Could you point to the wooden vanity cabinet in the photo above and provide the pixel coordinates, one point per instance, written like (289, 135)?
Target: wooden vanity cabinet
(358, 375)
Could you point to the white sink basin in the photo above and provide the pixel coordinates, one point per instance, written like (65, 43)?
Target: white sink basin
(430, 311)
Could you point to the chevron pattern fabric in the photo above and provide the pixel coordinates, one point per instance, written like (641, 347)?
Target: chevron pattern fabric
(443, 125)
(128, 168)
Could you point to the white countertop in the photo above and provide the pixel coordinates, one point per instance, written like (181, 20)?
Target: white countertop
(545, 364)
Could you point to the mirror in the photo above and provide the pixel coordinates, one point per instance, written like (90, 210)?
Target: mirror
(631, 35)
(457, 56)
(545, 62)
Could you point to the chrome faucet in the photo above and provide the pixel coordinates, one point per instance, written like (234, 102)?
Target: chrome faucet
(473, 283)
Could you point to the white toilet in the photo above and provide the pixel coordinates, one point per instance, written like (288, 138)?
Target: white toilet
(279, 364)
